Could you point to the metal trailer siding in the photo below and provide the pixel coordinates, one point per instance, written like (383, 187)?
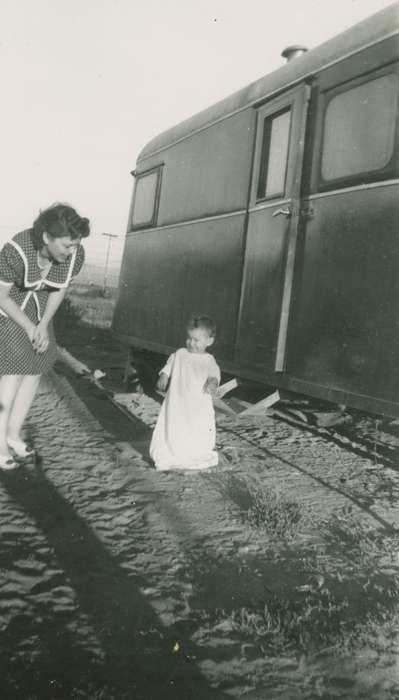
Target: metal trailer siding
(344, 331)
(218, 250)
(186, 265)
(174, 272)
(345, 323)
(207, 174)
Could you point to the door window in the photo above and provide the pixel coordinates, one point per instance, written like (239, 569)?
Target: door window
(273, 166)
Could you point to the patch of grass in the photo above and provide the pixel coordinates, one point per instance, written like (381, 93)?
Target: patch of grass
(328, 602)
(319, 618)
(264, 508)
(271, 511)
(238, 490)
(92, 304)
(361, 545)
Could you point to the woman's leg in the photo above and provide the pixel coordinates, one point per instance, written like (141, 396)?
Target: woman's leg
(9, 385)
(22, 402)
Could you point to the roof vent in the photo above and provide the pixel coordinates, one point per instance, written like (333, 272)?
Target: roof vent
(293, 51)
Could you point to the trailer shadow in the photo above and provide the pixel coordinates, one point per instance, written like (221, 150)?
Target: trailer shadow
(139, 658)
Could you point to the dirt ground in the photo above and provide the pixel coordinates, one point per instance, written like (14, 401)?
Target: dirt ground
(274, 575)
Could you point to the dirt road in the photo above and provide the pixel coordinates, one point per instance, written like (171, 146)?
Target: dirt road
(273, 575)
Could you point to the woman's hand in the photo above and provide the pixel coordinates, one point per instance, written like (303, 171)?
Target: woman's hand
(41, 338)
(30, 330)
(211, 386)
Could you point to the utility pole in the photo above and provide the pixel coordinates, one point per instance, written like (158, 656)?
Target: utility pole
(110, 236)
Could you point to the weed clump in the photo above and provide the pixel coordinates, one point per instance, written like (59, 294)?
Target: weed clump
(279, 516)
(265, 508)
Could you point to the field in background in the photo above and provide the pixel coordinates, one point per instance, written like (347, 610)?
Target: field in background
(92, 304)
(94, 275)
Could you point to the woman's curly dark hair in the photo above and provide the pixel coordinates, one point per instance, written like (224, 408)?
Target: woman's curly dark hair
(59, 220)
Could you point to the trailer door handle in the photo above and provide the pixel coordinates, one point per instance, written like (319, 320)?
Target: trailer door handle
(283, 212)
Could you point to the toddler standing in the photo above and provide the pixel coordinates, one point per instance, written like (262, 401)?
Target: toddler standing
(184, 436)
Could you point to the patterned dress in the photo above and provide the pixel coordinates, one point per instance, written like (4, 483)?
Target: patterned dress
(19, 270)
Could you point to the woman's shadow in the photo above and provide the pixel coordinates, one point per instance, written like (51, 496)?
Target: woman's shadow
(141, 660)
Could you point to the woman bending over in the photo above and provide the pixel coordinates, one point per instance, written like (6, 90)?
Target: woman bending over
(36, 267)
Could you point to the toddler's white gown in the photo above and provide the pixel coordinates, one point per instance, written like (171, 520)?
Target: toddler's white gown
(184, 436)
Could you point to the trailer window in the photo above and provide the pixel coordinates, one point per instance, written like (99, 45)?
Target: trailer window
(145, 199)
(359, 129)
(273, 168)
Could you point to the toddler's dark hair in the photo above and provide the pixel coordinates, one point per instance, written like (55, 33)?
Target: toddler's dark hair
(204, 322)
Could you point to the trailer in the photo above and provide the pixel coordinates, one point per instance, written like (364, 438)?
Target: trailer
(276, 212)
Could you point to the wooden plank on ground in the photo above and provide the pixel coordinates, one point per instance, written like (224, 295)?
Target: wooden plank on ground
(225, 388)
(260, 405)
(222, 406)
(222, 391)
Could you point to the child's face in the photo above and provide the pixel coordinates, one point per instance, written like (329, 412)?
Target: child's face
(198, 340)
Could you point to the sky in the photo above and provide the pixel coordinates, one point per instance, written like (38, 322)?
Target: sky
(87, 83)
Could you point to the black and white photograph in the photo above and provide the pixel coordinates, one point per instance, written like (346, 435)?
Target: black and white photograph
(199, 350)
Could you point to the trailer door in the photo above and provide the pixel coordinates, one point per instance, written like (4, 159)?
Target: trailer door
(272, 231)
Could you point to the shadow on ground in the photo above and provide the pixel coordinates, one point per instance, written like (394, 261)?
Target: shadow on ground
(139, 659)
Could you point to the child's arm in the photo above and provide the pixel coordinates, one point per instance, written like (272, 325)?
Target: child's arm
(163, 381)
(212, 383)
(165, 374)
(211, 386)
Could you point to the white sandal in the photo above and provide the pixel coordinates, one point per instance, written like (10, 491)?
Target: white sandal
(20, 448)
(7, 463)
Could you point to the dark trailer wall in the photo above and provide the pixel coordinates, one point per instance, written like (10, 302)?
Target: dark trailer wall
(276, 212)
